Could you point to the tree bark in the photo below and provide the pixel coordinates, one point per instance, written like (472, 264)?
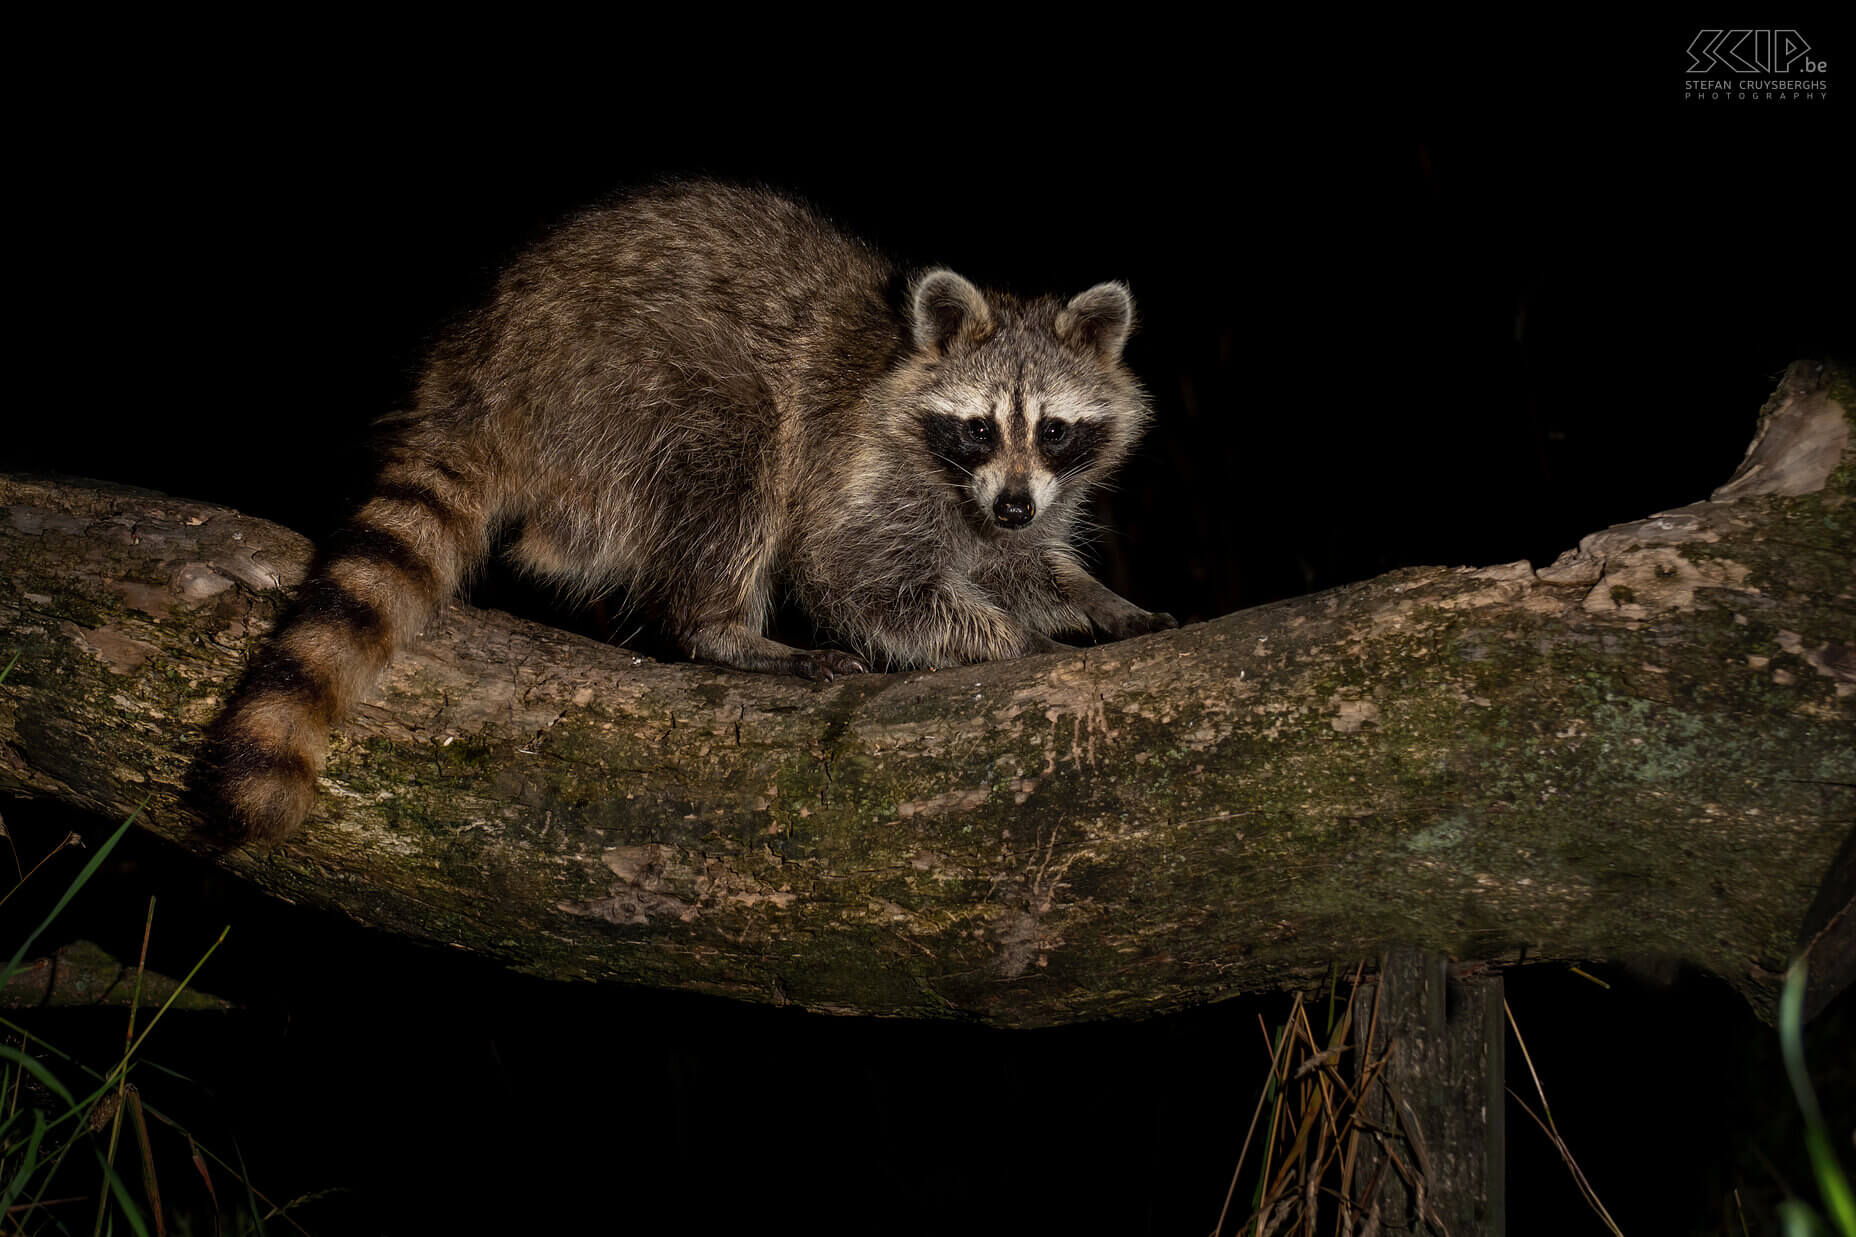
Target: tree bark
(1432, 1043)
(1644, 749)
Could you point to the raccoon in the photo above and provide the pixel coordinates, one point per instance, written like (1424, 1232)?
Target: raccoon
(708, 397)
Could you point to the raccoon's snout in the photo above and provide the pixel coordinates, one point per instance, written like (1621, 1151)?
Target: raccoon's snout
(1013, 509)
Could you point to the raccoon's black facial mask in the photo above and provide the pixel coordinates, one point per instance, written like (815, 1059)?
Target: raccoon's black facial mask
(960, 444)
(1069, 446)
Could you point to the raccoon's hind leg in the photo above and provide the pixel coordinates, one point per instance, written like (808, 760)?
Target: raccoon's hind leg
(739, 646)
(943, 621)
(1110, 612)
(730, 601)
(725, 605)
(721, 614)
(709, 533)
(372, 588)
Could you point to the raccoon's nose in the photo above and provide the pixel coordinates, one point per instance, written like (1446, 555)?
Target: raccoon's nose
(1013, 509)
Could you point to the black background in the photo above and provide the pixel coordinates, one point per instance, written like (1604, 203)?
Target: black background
(1425, 298)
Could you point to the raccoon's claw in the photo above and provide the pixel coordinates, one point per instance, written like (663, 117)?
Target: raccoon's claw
(827, 664)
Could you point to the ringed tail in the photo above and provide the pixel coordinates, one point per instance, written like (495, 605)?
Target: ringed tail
(372, 588)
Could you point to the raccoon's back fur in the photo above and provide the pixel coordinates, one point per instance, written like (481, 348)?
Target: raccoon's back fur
(710, 398)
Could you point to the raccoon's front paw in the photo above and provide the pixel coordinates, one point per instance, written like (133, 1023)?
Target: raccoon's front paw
(1140, 623)
(827, 664)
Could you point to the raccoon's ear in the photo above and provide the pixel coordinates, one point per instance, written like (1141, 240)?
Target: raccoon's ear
(1099, 320)
(946, 311)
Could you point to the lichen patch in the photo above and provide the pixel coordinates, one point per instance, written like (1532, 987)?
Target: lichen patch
(122, 654)
(1654, 579)
(951, 801)
(1831, 659)
(196, 582)
(1351, 716)
(149, 599)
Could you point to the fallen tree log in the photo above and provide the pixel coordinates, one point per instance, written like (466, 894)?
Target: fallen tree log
(1644, 749)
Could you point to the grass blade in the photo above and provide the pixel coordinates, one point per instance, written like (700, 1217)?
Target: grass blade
(77, 883)
(1831, 1182)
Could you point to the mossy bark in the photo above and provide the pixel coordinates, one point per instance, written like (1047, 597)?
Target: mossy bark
(1646, 749)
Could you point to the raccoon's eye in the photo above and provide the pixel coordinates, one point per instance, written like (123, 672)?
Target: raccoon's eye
(979, 429)
(1053, 432)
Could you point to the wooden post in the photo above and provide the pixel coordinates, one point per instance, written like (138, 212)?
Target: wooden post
(1436, 1161)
